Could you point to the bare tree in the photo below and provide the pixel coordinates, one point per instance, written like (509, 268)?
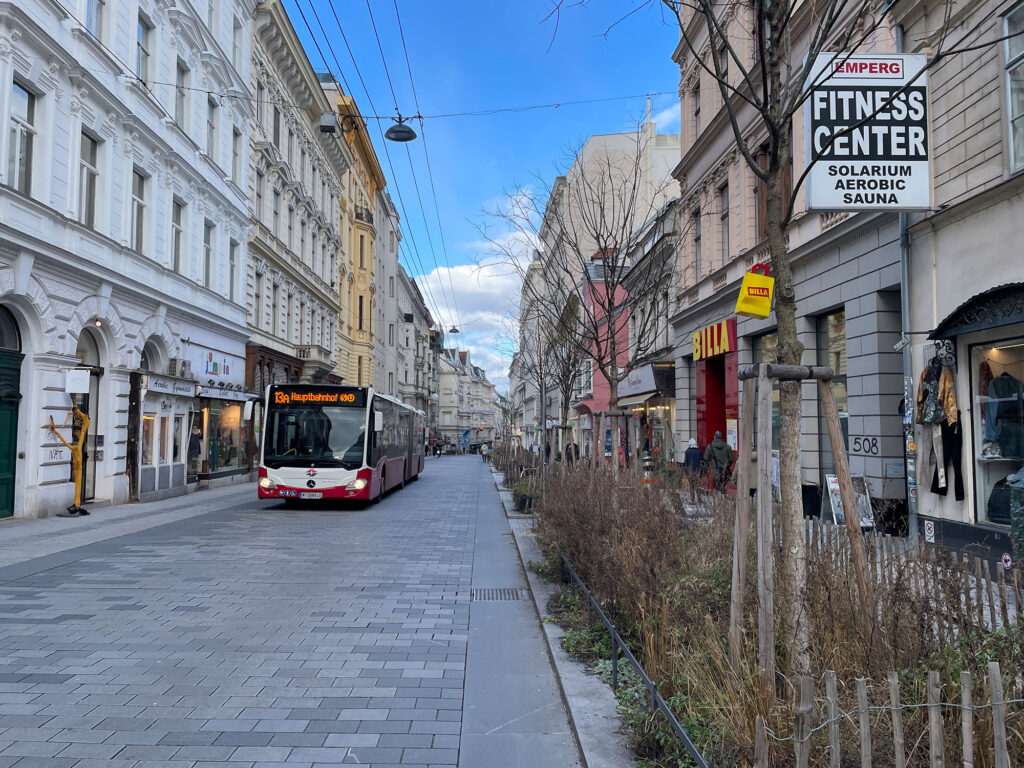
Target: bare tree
(756, 54)
(574, 289)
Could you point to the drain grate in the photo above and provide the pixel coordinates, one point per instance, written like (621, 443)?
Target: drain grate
(491, 595)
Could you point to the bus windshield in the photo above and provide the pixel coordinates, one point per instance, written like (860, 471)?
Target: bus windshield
(327, 436)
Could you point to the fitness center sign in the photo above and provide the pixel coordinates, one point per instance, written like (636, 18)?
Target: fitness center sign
(867, 135)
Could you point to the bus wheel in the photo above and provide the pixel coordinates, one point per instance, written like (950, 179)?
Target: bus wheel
(381, 494)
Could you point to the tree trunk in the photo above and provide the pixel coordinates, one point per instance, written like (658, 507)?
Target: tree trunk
(790, 352)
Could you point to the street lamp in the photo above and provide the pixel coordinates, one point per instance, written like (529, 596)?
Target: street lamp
(400, 131)
(453, 329)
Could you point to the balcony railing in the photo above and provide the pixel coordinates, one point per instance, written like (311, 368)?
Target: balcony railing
(315, 354)
(363, 214)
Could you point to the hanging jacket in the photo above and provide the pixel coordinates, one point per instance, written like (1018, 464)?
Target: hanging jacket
(936, 396)
(1003, 414)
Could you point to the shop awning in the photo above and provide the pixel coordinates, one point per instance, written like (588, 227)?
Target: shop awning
(1002, 305)
(629, 402)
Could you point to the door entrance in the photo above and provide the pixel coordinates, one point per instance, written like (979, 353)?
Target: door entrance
(89, 355)
(10, 398)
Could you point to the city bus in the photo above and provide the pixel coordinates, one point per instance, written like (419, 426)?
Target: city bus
(336, 442)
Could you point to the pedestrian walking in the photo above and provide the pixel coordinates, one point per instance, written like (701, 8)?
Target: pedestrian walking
(693, 457)
(719, 458)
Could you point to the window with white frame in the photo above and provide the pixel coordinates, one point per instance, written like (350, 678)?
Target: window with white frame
(696, 111)
(94, 13)
(211, 17)
(723, 201)
(696, 245)
(257, 299)
(138, 220)
(236, 44)
(277, 127)
(277, 214)
(143, 35)
(1014, 27)
(208, 246)
(260, 182)
(261, 97)
(236, 155)
(302, 322)
(177, 234)
(22, 136)
(88, 174)
(211, 128)
(232, 270)
(180, 93)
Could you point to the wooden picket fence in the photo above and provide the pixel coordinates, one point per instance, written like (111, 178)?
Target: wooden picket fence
(932, 733)
(957, 589)
(910, 723)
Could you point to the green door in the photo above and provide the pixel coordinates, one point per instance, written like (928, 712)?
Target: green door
(10, 396)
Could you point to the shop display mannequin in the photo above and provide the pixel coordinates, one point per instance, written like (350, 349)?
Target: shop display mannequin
(937, 411)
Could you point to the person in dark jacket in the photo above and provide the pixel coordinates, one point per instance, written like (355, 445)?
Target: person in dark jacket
(719, 458)
(693, 457)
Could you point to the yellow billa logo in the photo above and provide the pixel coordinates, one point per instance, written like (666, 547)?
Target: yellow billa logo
(758, 291)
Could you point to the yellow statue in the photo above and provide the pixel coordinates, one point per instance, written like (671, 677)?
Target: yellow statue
(80, 420)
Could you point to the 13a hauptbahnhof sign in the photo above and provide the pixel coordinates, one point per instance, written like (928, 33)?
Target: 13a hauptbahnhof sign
(867, 134)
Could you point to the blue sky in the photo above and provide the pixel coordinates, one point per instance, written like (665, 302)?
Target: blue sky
(468, 56)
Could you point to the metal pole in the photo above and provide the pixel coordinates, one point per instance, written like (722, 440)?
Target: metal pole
(909, 452)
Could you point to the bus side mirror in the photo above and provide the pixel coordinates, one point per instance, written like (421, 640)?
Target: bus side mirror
(378, 421)
(247, 410)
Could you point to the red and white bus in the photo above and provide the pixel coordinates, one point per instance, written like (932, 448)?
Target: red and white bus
(332, 442)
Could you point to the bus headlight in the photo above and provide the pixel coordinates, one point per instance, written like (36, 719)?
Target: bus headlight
(267, 484)
(358, 484)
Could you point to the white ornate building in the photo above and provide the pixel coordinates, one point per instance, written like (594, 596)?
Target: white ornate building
(123, 230)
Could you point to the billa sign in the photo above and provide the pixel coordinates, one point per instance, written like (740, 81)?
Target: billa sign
(867, 135)
(715, 339)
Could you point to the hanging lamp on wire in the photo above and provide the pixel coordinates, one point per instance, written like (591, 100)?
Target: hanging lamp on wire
(400, 131)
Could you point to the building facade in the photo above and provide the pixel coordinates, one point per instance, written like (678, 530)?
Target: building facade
(389, 317)
(966, 285)
(122, 244)
(416, 361)
(358, 226)
(296, 170)
(846, 274)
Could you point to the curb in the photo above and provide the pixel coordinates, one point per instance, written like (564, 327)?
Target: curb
(589, 701)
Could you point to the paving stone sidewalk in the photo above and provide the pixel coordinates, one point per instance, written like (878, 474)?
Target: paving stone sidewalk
(254, 635)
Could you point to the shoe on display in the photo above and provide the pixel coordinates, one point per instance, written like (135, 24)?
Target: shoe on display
(991, 450)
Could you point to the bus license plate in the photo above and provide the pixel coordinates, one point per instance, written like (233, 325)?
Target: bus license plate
(311, 495)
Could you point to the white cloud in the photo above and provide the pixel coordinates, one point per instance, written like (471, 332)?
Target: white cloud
(668, 118)
(481, 300)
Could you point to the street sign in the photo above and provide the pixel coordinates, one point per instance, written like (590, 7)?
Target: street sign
(866, 133)
(929, 531)
(1007, 561)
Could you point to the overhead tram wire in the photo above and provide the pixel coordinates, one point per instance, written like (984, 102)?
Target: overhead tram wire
(415, 249)
(384, 144)
(426, 154)
(412, 170)
(347, 90)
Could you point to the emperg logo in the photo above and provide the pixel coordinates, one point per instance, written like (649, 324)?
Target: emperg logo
(310, 473)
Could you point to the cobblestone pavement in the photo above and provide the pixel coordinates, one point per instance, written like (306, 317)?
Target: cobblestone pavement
(262, 636)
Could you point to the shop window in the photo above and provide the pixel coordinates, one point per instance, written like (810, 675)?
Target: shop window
(997, 382)
(164, 437)
(766, 350)
(832, 352)
(222, 436)
(147, 440)
(176, 444)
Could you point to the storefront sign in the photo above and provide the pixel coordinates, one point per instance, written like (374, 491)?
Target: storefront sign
(217, 393)
(76, 382)
(716, 339)
(638, 381)
(865, 135)
(732, 433)
(169, 386)
(207, 365)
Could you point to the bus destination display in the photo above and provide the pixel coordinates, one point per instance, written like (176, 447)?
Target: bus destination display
(313, 397)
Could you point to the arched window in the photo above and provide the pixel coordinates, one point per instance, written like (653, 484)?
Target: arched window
(9, 336)
(87, 352)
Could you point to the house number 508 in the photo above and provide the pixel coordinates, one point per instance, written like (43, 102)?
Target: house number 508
(868, 445)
